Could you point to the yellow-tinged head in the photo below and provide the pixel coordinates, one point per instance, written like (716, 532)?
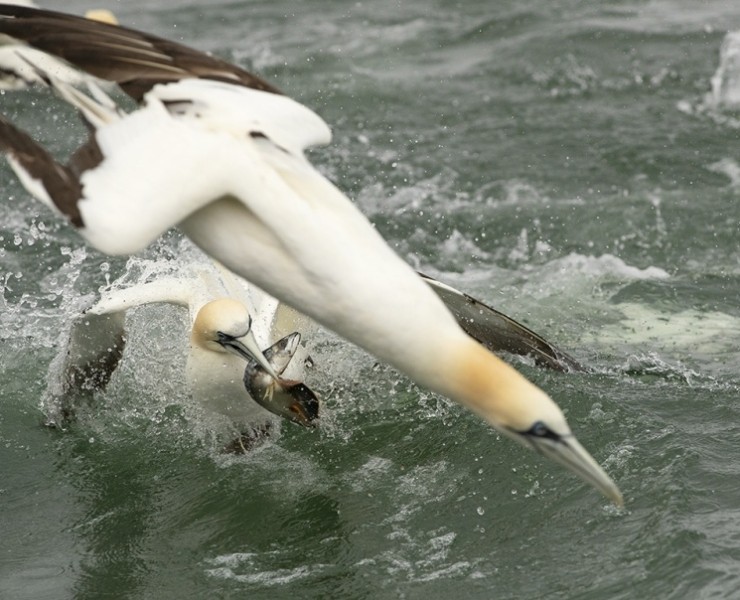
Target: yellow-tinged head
(522, 411)
(220, 318)
(225, 325)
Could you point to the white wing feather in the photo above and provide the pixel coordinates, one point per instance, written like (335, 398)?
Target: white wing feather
(222, 107)
(159, 166)
(168, 290)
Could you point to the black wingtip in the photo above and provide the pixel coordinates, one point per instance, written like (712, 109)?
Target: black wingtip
(499, 332)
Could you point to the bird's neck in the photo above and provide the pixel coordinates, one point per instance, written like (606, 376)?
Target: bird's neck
(487, 385)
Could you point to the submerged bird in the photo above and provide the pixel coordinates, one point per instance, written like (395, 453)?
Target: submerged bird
(226, 371)
(218, 153)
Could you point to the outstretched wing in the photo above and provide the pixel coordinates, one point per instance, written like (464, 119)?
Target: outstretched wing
(134, 60)
(126, 185)
(499, 333)
(168, 290)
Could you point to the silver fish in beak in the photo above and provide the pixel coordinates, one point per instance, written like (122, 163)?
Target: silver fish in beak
(287, 398)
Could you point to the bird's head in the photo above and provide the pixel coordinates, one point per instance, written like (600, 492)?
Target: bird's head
(522, 411)
(225, 325)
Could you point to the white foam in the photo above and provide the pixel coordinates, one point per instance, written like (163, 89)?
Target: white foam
(259, 56)
(579, 276)
(367, 476)
(423, 481)
(293, 474)
(422, 195)
(605, 266)
(649, 327)
(423, 557)
(227, 566)
(728, 167)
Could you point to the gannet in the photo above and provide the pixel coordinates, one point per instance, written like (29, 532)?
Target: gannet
(219, 153)
(227, 373)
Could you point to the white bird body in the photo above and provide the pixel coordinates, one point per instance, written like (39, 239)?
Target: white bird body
(224, 162)
(216, 382)
(234, 206)
(163, 147)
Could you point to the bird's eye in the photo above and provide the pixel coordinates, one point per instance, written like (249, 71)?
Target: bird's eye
(540, 430)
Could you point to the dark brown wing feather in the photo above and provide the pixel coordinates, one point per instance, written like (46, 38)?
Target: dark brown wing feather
(87, 156)
(60, 182)
(499, 333)
(136, 61)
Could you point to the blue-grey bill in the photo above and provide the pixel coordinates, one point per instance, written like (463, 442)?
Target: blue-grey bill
(569, 453)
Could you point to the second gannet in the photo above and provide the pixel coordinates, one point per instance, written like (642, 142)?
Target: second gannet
(226, 371)
(219, 153)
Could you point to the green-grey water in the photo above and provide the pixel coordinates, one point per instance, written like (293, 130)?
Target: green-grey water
(560, 160)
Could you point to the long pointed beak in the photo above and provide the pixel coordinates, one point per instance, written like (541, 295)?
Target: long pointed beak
(246, 346)
(569, 453)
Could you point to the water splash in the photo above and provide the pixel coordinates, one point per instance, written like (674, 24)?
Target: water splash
(725, 94)
(722, 103)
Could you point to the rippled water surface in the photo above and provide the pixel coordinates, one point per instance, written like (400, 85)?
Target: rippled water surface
(563, 161)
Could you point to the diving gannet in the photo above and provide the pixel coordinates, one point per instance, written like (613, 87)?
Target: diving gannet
(218, 153)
